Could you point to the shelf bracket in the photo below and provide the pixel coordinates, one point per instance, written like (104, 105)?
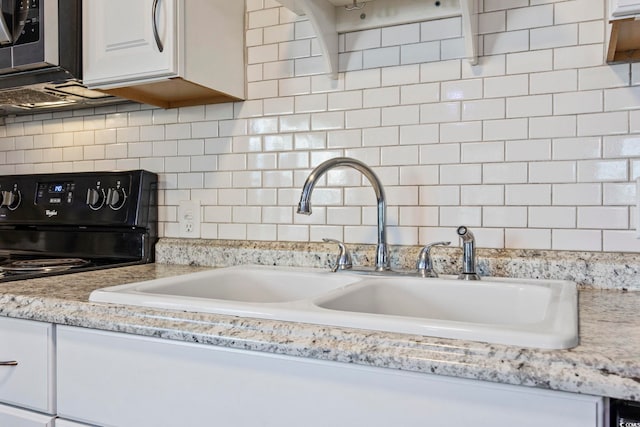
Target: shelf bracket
(322, 15)
(328, 20)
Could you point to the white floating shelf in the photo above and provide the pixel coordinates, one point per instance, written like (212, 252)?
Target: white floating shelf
(330, 18)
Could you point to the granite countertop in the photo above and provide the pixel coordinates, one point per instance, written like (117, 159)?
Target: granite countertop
(605, 363)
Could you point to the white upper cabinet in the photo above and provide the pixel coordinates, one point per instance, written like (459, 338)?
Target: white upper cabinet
(331, 17)
(619, 8)
(168, 53)
(122, 47)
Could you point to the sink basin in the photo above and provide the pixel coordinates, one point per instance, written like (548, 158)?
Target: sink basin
(522, 312)
(232, 290)
(531, 313)
(471, 302)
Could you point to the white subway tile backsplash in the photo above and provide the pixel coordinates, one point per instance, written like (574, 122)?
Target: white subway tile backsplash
(578, 10)
(382, 57)
(529, 106)
(577, 240)
(401, 34)
(507, 42)
(602, 170)
(611, 123)
(440, 112)
(530, 17)
(553, 82)
(483, 109)
(527, 238)
(454, 216)
(552, 217)
(576, 148)
(552, 127)
(620, 241)
(461, 132)
(530, 62)
(461, 89)
(482, 195)
(540, 172)
(498, 87)
(504, 216)
(417, 53)
(505, 129)
(601, 217)
(577, 56)
(381, 97)
(534, 146)
(401, 75)
(577, 194)
(554, 36)
(528, 150)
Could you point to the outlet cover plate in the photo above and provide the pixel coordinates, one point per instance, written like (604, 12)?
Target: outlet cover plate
(189, 218)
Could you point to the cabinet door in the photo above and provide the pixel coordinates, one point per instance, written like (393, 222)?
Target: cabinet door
(126, 40)
(14, 417)
(30, 383)
(124, 380)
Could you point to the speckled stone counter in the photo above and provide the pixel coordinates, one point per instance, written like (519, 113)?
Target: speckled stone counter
(606, 363)
(587, 269)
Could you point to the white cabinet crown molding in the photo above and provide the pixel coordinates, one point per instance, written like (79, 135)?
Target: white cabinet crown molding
(331, 17)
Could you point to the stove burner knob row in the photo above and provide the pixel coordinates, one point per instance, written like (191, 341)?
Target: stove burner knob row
(11, 199)
(116, 197)
(95, 198)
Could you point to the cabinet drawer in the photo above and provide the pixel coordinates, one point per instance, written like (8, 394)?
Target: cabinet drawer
(30, 383)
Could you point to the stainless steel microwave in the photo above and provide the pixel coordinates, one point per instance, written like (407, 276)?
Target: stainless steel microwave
(41, 57)
(40, 35)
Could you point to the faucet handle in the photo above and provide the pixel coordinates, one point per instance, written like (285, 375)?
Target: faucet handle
(425, 263)
(344, 257)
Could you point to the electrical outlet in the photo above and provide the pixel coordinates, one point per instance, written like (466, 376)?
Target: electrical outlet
(189, 218)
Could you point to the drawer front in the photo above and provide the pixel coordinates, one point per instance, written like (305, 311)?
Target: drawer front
(29, 383)
(14, 417)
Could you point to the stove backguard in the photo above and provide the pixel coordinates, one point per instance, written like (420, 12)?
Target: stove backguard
(108, 215)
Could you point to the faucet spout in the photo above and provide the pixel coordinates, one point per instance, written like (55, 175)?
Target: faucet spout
(304, 206)
(468, 254)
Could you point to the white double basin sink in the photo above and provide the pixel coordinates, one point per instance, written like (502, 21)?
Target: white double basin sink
(519, 312)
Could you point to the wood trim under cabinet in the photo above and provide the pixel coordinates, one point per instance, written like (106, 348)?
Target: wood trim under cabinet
(171, 93)
(624, 43)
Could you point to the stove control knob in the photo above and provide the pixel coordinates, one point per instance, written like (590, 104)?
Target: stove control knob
(116, 197)
(95, 198)
(11, 199)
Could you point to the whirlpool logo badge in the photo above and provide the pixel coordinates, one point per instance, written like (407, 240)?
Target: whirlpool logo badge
(51, 213)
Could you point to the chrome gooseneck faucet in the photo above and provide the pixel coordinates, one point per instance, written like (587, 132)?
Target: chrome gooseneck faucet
(304, 207)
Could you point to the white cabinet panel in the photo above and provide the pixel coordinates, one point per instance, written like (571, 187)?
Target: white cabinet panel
(168, 53)
(620, 8)
(14, 417)
(120, 43)
(125, 380)
(30, 383)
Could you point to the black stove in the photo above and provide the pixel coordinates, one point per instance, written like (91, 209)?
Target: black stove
(70, 222)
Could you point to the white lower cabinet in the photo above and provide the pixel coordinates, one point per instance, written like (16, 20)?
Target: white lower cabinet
(112, 379)
(15, 417)
(27, 367)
